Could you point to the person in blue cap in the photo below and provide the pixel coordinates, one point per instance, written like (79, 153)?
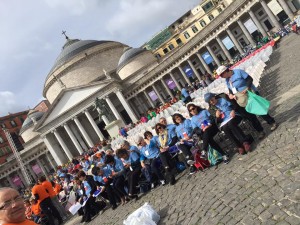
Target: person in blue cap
(229, 120)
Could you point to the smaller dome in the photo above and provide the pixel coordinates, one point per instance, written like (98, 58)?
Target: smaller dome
(129, 54)
(32, 117)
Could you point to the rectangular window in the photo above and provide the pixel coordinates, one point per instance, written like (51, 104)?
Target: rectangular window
(3, 125)
(194, 29)
(211, 17)
(178, 41)
(186, 35)
(220, 10)
(158, 56)
(202, 23)
(166, 50)
(13, 123)
(1, 139)
(171, 46)
(260, 13)
(21, 118)
(208, 6)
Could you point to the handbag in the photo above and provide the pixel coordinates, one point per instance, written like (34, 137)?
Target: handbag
(241, 99)
(257, 105)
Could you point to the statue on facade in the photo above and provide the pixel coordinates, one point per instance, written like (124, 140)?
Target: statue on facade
(106, 74)
(103, 109)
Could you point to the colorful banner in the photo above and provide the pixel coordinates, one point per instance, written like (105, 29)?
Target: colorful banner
(188, 71)
(207, 58)
(228, 43)
(171, 84)
(153, 95)
(37, 170)
(17, 181)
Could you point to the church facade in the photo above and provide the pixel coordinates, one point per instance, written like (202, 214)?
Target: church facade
(125, 79)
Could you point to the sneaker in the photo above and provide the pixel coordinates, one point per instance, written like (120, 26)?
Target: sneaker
(190, 162)
(241, 151)
(193, 170)
(162, 182)
(247, 146)
(273, 126)
(261, 135)
(225, 159)
(152, 185)
(203, 155)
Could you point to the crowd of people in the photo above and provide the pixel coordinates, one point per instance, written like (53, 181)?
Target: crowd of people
(103, 176)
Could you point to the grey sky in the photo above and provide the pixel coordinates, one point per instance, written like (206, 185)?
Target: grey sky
(31, 37)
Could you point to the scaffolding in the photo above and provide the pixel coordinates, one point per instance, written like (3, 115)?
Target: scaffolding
(27, 177)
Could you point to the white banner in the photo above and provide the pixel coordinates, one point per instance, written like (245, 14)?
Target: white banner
(275, 7)
(250, 25)
(228, 43)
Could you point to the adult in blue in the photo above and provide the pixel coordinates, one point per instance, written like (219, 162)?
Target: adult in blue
(184, 132)
(239, 83)
(102, 177)
(118, 173)
(131, 161)
(229, 120)
(186, 96)
(200, 118)
(150, 153)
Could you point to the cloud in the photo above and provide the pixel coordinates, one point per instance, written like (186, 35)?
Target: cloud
(77, 7)
(9, 104)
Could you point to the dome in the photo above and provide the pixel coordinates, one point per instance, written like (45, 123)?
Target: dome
(134, 60)
(31, 117)
(71, 48)
(129, 54)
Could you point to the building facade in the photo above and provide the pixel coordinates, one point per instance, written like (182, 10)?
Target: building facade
(127, 81)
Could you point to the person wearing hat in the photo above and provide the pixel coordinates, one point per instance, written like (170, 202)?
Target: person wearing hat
(238, 83)
(225, 114)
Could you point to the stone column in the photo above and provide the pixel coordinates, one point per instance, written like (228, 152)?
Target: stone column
(22, 178)
(78, 136)
(105, 120)
(270, 14)
(286, 9)
(167, 88)
(11, 183)
(201, 68)
(235, 42)
(94, 125)
(50, 161)
(140, 104)
(184, 75)
(126, 106)
(63, 144)
(217, 61)
(41, 166)
(83, 132)
(134, 106)
(224, 49)
(149, 99)
(257, 23)
(158, 94)
(73, 138)
(48, 144)
(206, 67)
(32, 173)
(194, 69)
(175, 81)
(246, 32)
(113, 108)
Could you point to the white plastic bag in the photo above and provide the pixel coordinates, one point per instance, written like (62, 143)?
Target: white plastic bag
(144, 215)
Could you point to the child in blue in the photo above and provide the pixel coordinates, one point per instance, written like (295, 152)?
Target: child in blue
(230, 121)
(201, 119)
(118, 175)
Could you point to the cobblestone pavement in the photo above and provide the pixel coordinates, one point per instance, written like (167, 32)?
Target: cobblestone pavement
(262, 187)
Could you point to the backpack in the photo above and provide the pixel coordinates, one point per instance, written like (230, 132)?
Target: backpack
(214, 157)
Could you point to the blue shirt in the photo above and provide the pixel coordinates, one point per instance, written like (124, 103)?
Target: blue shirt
(117, 166)
(198, 119)
(238, 80)
(225, 106)
(171, 128)
(87, 188)
(106, 173)
(184, 93)
(133, 157)
(150, 151)
(185, 127)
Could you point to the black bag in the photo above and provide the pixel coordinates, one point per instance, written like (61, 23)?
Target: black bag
(144, 186)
